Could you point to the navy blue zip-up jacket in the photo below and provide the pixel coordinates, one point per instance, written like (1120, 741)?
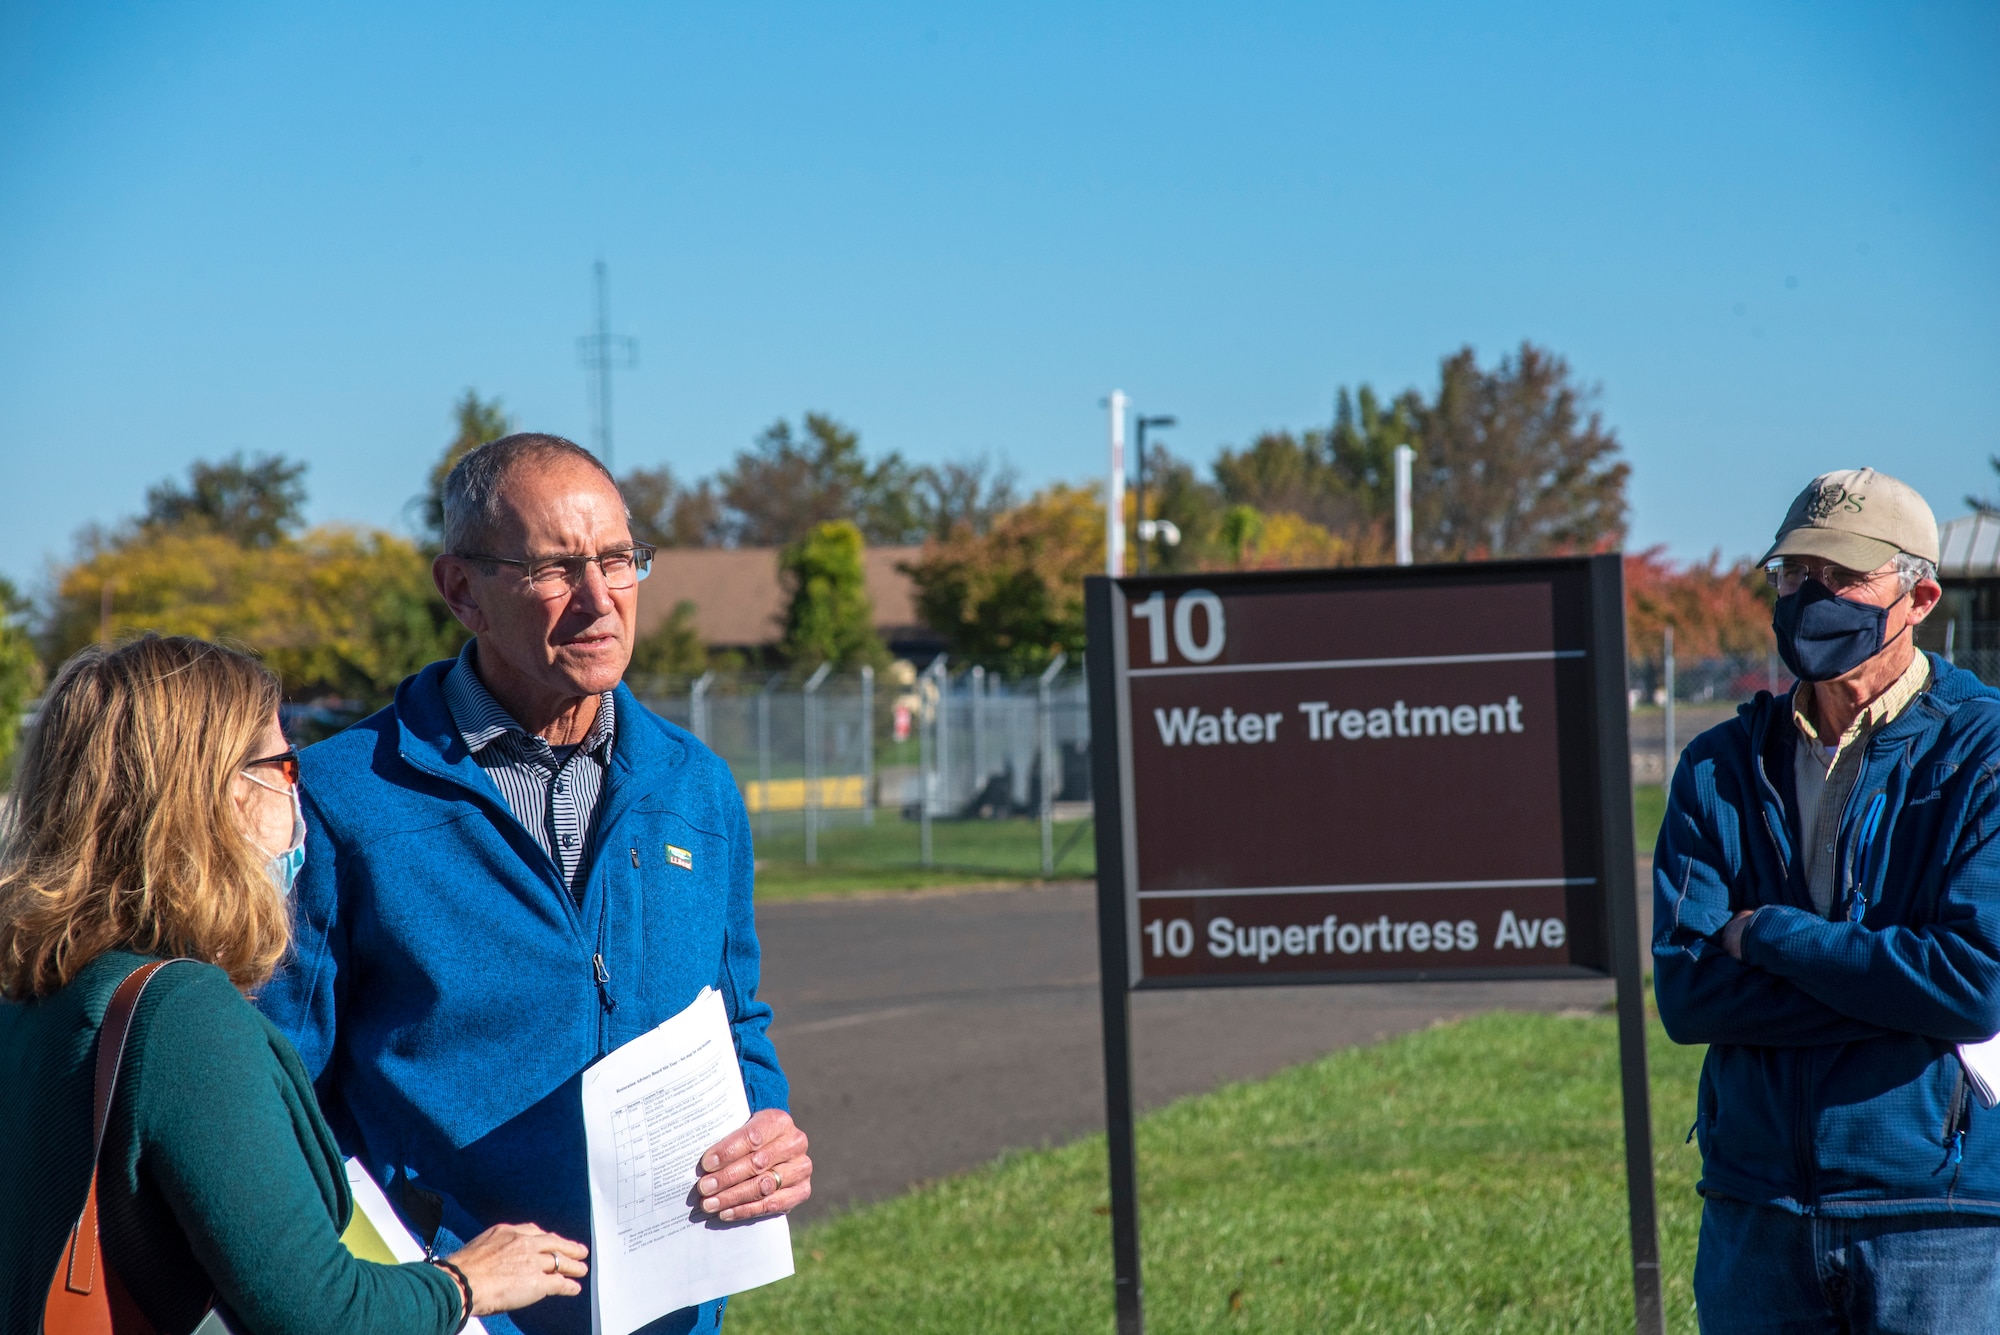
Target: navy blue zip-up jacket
(446, 992)
(1831, 1085)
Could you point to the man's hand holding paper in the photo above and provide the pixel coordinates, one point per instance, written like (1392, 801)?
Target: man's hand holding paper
(647, 1108)
(759, 1169)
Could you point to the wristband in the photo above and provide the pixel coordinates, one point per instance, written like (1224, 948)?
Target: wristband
(465, 1285)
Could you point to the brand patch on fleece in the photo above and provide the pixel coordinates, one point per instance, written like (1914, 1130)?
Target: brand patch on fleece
(680, 857)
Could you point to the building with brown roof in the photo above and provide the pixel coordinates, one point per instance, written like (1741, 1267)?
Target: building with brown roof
(739, 596)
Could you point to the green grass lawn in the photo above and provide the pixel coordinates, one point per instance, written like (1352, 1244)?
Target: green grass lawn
(1649, 808)
(888, 856)
(1464, 1179)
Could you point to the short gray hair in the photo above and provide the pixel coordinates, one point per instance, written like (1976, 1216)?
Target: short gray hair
(472, 490)
(1912, 570)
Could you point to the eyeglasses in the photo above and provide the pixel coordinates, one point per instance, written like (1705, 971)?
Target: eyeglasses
(1789, 574)
(286, 760)
(553, 576)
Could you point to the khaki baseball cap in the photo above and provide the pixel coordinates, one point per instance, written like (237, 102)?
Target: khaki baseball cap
(1858, 518)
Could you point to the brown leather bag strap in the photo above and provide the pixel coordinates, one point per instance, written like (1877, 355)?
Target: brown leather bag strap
(111, 1036)
(78, 1303)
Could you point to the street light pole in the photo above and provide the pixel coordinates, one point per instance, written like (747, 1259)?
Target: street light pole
(1139, 524)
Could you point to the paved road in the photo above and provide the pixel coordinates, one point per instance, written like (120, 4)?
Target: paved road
(926, 1033)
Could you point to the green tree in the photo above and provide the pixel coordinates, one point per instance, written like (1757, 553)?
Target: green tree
(478, 421)
(970, 492)
(666, 514)
(1241, 526)
(1012, 597)
(340, 611)
(672, 649)
(789, 482)
(1510, 463)
(1195, 508)
(20, 670)
(1341, 478)
(1361, 447)
(830, 618)
(255, 503)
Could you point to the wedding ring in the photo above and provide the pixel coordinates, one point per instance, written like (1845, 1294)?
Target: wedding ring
(778, 1178)
(555, 1264)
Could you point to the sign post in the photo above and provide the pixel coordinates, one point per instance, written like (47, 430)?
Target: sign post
(1369, 775)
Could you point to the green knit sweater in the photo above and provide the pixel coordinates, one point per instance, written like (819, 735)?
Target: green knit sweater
(219, 1176)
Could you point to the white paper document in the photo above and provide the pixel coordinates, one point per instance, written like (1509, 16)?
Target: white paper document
(1982, 1070)
(381, 1225)
(649, 1110)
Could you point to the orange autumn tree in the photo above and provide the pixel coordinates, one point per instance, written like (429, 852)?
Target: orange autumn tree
(1716, 610)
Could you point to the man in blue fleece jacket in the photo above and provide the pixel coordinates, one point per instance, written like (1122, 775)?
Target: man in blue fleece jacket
(515, 868)
(1827, 919)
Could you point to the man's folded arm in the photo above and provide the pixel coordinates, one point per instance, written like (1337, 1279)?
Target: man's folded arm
(1707, 997)
(1704, 995)
(1941, 979)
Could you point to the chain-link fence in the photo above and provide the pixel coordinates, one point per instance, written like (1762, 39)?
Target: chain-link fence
(1674, 700)
(1962, 642)
(894, 769)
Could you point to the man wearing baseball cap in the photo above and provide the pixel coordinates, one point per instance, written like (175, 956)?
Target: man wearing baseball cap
(1827, 919)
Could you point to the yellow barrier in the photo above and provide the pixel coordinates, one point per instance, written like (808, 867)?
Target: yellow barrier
(836, 792)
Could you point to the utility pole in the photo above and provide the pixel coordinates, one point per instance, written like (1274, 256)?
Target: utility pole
(602, 353)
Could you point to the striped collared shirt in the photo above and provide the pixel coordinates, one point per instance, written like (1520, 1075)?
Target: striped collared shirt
(554, 797)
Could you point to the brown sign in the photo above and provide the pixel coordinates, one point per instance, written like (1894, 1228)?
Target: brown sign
(1362, 774)
(1381, 774)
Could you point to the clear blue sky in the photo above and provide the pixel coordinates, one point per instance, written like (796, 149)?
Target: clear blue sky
(1768, 231)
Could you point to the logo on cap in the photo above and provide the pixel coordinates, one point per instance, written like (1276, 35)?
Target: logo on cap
(1830, 497)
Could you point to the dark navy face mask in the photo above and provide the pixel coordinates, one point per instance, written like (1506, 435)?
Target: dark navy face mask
(1822, 635)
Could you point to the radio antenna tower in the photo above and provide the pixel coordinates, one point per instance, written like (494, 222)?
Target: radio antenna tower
(602, 353)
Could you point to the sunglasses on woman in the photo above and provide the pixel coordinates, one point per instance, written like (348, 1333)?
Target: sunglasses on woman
(286, 760)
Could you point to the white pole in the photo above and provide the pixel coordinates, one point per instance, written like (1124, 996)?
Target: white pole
(1114, 496)
(813, 762)
(978, 675)
(698, 706)
(929, 739)
(867, 745)
(1669, 754)
(1045, 709)
(1405, 456)
(764, 756)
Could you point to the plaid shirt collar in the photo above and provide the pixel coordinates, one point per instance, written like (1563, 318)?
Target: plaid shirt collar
(482, 721)
(1879, 711)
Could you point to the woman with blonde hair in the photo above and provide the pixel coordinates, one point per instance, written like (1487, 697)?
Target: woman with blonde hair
(156, 817)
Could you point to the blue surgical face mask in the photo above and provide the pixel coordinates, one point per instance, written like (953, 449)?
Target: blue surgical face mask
(1822, 635)
(284, 868)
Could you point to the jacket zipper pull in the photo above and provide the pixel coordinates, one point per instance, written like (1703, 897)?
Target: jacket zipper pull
(1957, 1148)
(1692, 1128)
(1858, 859)
(603, 976)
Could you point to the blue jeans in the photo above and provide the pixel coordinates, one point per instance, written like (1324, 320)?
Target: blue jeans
(1769, 1271)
